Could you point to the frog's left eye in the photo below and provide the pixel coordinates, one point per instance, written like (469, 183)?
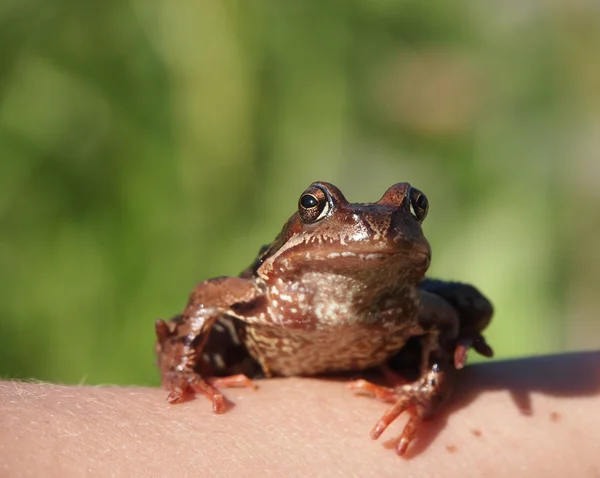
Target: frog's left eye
(419, 205)
(313, 205)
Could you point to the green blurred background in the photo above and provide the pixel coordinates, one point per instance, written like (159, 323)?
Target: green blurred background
(146, 145)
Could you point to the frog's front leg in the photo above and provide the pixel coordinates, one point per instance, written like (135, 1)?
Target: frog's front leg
(421, 398)
(452, 315)
(181, 341)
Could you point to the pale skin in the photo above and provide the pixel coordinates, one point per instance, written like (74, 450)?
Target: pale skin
(532, 417)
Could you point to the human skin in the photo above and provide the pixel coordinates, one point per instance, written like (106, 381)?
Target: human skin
(532, 417)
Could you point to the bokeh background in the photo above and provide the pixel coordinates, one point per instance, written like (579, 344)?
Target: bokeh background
(146, 145)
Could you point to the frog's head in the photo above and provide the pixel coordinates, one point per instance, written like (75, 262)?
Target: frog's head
(327, 233)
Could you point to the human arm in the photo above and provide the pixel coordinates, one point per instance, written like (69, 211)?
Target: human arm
(534, 417)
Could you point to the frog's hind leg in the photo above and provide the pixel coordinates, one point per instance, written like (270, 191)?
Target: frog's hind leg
(463, 345)
(474, 312)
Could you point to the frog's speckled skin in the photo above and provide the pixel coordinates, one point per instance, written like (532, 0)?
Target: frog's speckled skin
(341, 288)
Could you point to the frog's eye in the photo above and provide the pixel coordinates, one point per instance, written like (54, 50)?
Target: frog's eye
(308, 201)
(419, 205)
(313, 205)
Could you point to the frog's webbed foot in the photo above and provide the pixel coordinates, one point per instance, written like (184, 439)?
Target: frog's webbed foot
(420, 399)
(182, 386)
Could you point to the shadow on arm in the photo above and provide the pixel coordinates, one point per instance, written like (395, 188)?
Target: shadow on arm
(563, 376)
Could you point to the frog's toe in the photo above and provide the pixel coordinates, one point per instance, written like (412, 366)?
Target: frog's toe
(219, 403)
(239, 380)
(477, 342)
(408, 434)
(403, 404)
(482, 347)
(184, 386)
(177, 386)
(175, 396)
(363, 387)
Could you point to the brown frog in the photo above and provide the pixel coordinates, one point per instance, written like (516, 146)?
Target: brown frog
(341, 289)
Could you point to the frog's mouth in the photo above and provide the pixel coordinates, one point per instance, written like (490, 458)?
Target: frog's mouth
(362, 256)
(392, 251)
(365, 258)
(350, 256)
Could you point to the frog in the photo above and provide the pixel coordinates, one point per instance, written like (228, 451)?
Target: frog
(341, 289)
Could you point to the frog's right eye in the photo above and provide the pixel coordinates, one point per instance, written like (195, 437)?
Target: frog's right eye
(313, 205)
(308, 201)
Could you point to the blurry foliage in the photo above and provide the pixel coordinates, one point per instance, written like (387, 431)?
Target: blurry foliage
(148, 145)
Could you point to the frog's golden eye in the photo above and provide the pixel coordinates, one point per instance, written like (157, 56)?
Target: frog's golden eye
(419, 205)
(313, 205)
